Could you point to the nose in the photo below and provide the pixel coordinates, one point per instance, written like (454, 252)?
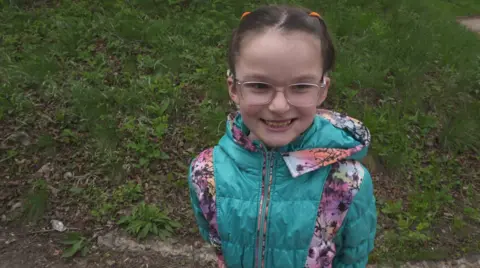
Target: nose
(279, 104)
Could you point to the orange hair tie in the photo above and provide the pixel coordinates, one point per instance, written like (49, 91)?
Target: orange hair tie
(315, 14)
(245, 14)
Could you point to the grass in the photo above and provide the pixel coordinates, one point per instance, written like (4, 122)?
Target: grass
(148, 219)
(119, 96)
(77, 244)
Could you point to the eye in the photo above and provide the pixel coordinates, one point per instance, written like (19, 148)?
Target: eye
(257, 86)
(303, 88)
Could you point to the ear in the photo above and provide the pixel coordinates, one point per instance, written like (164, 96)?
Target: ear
(232, 90)
(324, 86)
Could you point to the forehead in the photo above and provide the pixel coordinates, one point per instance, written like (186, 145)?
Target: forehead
(280, 56)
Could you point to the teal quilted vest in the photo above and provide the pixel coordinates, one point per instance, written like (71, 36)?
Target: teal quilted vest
(308, 204)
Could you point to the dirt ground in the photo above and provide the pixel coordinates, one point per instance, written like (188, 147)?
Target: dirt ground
(22, 250)
(472, 23)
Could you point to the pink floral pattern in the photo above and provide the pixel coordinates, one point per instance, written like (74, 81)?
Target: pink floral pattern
(340, 188)
(301, 162)
(203, 182)
(238, 136)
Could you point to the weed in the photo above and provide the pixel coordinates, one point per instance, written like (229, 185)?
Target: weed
(392, 207)
(46, 142)
(144, 132)
(104, 211)
(36, 201)
(68, 136)
(127, 194)
(474, 214)
(458, 223)
(174, 180)
(77, 243)
(148, 219)
(106, 206)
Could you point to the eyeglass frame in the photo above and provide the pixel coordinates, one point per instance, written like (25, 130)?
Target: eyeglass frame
(321, 86)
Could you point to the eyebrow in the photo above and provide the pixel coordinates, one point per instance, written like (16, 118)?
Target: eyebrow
(307, 77)
(261, 77)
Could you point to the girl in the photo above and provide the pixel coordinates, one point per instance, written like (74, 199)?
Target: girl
(283, 187)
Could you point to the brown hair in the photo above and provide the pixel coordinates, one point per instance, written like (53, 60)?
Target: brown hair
(285, 18)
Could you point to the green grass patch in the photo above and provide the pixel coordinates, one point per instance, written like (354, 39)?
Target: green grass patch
(148, 220)
(76, 244)
(36, 202)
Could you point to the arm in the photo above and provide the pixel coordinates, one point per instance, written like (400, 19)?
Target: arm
(199, 217)
(358, 234)
(201, 184)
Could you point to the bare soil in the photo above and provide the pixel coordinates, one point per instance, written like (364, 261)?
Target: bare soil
(19, 249)
(472, 23)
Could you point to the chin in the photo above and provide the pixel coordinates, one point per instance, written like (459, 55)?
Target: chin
(276, 143)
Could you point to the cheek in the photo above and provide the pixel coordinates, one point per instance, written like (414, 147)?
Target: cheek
(306, 116)
(250, 116)
(250, 111)
(307, 113)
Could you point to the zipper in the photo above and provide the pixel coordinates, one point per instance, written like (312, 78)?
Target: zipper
(264, 203)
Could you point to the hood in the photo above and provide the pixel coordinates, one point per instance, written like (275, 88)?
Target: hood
(331, 138)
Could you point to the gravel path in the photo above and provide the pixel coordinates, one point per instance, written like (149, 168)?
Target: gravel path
(201, 256)
(117, 250)
(472, 23)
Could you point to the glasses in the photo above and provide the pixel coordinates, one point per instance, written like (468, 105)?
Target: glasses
(261, 93)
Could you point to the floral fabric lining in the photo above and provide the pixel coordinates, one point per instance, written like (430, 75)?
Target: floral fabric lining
(340, 188)
(203, 182)
(301, 162)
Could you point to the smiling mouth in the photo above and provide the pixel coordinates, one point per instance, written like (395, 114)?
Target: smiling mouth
(278, 124)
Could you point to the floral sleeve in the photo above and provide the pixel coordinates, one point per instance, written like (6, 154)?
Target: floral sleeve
(202, 195)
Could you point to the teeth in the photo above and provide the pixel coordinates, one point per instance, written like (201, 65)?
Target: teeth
(278, 124)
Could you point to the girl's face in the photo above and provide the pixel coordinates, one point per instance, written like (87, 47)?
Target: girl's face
(280, 59)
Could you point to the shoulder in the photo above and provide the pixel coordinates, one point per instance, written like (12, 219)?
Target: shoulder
(202, 160)
(351, 172)
(201, 169)
(358, 185)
